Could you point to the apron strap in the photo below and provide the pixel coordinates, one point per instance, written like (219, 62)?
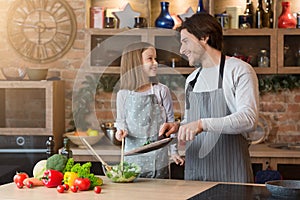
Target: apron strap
(192, 83)
(221, 71)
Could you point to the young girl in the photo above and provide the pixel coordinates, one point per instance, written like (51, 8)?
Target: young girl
(143, 105)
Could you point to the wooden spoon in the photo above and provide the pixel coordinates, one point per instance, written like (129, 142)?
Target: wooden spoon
(122, 155)
(107, 167)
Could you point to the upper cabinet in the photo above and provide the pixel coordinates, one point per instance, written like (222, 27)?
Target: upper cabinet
(275, 47)
(288, 49)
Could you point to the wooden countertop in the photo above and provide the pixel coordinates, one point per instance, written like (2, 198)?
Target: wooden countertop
(111, 153)
(141, 189)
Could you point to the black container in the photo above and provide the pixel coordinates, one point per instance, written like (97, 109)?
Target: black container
(245, 21)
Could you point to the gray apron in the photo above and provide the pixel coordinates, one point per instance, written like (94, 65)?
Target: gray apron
(143, 120)
(226, 157)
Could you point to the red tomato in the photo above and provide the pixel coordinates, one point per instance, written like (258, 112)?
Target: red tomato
(20, 185)
(60, 189)
(29, 184)
(74, 188)
(20, 177)
(97, 189)
(82, 183)
(66, 186)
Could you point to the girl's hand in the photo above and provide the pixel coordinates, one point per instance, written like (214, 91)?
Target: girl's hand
(177, 159)
(121, 134)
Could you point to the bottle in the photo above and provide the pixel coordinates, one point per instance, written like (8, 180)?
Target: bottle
(66, 151)
(268, 18)
(286, 19)
(50, 146)
(259, 14)
(249, 14)
(97, 58)
(249, 8)
(200, 7)
(164, 20)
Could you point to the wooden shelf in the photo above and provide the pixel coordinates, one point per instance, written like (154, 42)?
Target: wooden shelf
(116, 70)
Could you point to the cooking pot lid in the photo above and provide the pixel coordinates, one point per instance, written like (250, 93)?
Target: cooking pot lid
(262, 131)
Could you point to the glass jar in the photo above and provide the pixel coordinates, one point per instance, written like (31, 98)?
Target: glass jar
(263, 59)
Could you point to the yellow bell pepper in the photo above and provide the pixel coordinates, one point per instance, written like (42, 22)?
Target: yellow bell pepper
(69, 178)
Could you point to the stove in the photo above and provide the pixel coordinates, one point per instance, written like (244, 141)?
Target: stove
(235, 192)
(20, 154)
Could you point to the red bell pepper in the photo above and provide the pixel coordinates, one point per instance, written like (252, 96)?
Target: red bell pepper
(52, 178)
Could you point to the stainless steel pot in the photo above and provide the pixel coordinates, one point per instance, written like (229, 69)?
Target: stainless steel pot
(110, 132)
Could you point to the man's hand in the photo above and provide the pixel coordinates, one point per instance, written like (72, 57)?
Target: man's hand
(168, 128)
(188, 131)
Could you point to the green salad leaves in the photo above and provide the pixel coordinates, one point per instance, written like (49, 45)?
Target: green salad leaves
(130, 172)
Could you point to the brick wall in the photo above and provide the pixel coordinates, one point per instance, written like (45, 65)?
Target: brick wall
(282, 109)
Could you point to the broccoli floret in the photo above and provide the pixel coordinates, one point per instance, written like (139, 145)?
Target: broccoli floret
(56, 162)
(69, 165)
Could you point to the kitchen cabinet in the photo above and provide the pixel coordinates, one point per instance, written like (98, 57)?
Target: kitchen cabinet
(247, 43)
(283, 52)
(113, 41)
(288, 51)
(32, 108)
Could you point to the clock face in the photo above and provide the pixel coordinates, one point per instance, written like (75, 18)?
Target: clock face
(41, 31)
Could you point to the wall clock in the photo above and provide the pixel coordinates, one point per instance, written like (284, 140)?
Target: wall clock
(41, 31)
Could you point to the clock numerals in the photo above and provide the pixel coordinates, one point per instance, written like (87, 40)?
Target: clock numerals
(41, 52)
(21, 13)
(53, 48)
(30, 5)
(27, 48)
(61, 16)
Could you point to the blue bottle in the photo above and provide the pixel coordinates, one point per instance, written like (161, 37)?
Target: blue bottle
(200, 7)
(164, 20)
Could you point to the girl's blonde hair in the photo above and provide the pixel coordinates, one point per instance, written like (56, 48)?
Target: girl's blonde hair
(132, 74)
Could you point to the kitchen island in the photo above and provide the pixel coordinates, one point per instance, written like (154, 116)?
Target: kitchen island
(259, 153)
(165, 189)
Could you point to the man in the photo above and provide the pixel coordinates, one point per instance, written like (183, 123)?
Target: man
(221, 106)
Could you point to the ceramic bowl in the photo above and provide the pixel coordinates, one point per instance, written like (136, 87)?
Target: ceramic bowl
(13, 73)
(77, 139)
(284, 189)
(37, 74)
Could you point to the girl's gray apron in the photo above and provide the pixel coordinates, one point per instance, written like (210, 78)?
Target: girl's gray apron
(143, 119)
(228, 157)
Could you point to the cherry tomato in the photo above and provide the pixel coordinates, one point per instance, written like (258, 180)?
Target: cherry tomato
(20, 185)
(66, 186)
(29, 184)
(82, 183)
(97, 189)
(74, 188)
(60, 188)
(20, 177)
